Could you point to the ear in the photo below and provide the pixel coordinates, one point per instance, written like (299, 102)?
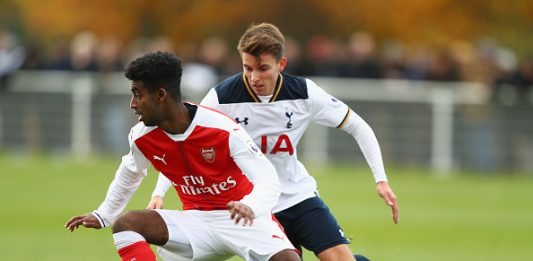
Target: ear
(161, 94)
(282, 63)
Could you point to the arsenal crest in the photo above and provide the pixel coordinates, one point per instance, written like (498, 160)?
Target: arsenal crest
(208, 154)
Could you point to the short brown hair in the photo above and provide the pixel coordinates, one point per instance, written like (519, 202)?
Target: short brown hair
(262, 38)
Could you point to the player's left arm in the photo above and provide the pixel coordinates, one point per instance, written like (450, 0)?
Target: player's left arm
(161, 188)
(331, 112)
(261, 173)
(385, 192)
(368, 143)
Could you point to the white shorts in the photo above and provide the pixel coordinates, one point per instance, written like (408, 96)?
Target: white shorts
(212, 235)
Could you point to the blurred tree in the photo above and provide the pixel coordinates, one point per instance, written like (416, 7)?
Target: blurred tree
(411, 21)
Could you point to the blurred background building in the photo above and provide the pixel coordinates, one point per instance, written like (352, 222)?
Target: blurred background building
(444, 84)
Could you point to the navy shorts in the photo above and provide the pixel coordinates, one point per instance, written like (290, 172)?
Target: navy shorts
(310, 224)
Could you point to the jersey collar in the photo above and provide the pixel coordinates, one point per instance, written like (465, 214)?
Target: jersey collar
(254, 96)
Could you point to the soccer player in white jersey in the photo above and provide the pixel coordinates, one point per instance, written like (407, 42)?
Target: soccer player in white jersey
(276, 109)
(226, 185)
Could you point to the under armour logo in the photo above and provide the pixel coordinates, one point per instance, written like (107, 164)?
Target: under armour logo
(162, 159)
(289, 115)
(245, 121)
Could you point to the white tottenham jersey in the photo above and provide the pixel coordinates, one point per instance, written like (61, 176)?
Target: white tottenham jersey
(213, 162)
(277, 125)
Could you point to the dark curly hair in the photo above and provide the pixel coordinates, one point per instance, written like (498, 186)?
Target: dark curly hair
(157, 70)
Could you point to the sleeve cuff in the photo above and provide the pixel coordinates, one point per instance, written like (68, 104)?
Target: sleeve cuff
(100, 219)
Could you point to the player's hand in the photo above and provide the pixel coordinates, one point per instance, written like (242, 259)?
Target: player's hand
(88, 221)
(385, 192)
(155, 203)
(240, 211)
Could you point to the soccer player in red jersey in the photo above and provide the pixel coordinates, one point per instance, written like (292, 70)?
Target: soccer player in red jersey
(275, 109)
(225, 183)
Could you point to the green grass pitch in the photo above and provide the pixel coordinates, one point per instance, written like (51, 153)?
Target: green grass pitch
(464, 216)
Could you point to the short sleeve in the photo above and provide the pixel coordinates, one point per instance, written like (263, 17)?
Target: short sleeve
(210, 99)
(327, 109)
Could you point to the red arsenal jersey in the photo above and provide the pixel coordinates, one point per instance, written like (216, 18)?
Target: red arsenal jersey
(200, 166)
(213, 162)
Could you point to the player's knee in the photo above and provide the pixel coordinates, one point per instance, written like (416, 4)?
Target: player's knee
(338, 252)
(127, 221)
(147, 223)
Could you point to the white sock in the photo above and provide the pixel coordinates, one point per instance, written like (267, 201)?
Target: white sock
(126, 238)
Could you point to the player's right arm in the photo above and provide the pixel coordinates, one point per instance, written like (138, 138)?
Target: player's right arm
(121, 189)
(87, 220)
(128, 177)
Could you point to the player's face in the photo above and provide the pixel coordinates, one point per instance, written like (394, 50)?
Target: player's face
(144, 103)
(262, 72)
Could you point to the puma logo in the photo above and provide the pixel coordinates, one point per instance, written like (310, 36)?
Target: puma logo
(278, 237)
(162, 159)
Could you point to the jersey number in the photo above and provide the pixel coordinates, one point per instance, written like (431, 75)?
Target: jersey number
(283, 144)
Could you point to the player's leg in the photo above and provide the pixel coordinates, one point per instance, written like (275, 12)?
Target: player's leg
(361, 258)
(286, 255)
(157, 227)
(192, 236)
(338, 252)
(133, 231)
(311, 224)
(264, 240)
